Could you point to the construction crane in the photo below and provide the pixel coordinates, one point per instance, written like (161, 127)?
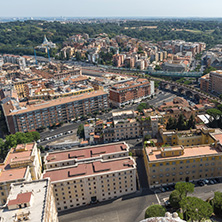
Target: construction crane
(48, 54)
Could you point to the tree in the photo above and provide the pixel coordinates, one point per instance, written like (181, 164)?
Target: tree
(184, 188)
(181, 124)
(170, 124)
(191, 122)
(217, 203)
(195, 209)
(175, 198)
(80, 131)
(155, 211)
(142, 106)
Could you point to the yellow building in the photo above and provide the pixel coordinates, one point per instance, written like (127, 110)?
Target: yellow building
(23, 163)
(169, 165)
(187, 138)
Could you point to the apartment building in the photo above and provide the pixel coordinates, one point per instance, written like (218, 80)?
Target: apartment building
(30, 117)
(21, 86)
(67, 74)
(129, 92)
(23, 163)
(30, 201)
(127, 128)
(91, 174)
(205, 83)
(216, 81)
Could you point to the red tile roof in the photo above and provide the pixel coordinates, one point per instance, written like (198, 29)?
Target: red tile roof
(21, 199)
(87, 169)
(85, 153)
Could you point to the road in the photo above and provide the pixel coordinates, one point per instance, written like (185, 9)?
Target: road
(204, 192)
(130, 208)
(156, 101)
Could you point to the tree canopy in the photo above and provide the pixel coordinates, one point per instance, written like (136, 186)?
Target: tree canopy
(217, 203)
(155, 211)
(80, 131)
(18, 138)
(180, 123)
(195, 209)
(142, 106)
(184, 188)
(26, 34)
(175, 198)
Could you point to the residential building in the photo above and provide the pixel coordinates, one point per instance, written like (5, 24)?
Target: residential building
(168, 165)
(205, 83)
(88, 175)
(129, 92)
(23, 163)
(30, 201)
(216, 81)
(127, 128)
(30, 117)
(88, 129)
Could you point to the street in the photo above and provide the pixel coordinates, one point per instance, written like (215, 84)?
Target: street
(131, 208)
(156, 101)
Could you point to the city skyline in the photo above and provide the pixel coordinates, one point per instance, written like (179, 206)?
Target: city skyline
(123, 8)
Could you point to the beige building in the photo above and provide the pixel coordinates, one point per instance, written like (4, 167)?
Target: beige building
(127, 128)
(30, 201)
(92, 174)
(23, 163)
(216, 81)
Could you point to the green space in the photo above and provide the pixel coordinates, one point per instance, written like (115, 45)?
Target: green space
(14, 139)
(16, 37)
(188, 208)
(181, 123)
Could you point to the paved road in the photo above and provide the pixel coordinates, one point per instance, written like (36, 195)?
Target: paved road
(156, 101)
(204, 192)
(129, 209)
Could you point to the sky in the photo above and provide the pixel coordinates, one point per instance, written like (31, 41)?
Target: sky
(111, 8)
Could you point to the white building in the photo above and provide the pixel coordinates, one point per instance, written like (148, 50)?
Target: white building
(30, 201)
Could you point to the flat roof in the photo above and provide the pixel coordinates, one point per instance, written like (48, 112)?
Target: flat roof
(14, 156)
(58, 101)
(12, 174)
(218, 137)
(89, 169)
(36, 211)
(194, 151)
(86, 152)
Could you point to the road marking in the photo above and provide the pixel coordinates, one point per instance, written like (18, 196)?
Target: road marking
(157, 197)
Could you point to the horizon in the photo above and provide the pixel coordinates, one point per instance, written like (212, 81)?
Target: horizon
(114, 8)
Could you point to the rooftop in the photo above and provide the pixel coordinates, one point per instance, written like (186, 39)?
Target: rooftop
(51, 103)
(89, 169)
(19, 155)
(194, 151)
(87, 152)
(22, 193)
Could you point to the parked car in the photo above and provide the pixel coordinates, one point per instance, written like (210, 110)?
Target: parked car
(211, 181)
(206, 181)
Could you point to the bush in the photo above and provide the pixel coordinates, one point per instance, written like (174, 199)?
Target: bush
(155, 211)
